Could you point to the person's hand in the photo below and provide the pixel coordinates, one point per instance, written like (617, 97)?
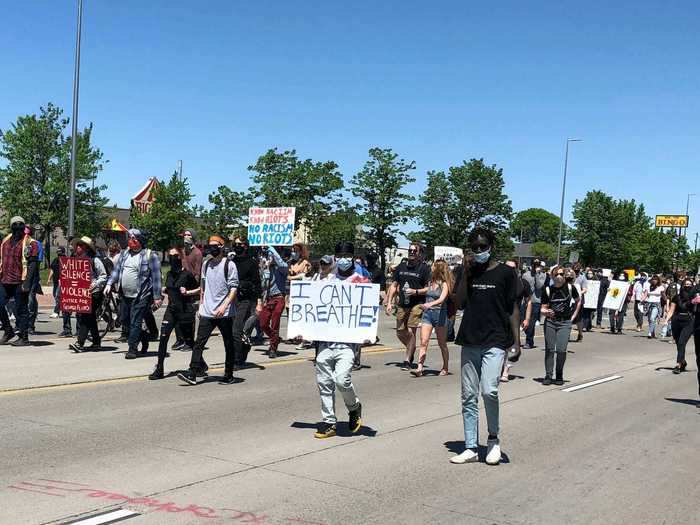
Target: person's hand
(389, 309)
(183, 290)
(696, 299)
(258, 309)
(409, 291)
(25, 287)
(157, 303)
(220, 311)
(424, 306)
(108, 289)
(525, 324)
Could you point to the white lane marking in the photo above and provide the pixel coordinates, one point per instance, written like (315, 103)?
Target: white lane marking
(103, 519)
(592, 383)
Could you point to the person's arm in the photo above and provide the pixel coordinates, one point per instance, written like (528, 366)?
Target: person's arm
(154, 264)
(101, 277)
(48, 280)
(437, 302)
(579, 302)
(515, 327)
(115, 273)
(279, 262)
(390, 297)
(671, 311)
(528, 313)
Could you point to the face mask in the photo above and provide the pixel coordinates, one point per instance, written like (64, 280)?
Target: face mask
(239, 250)
(569, 279)
(482, 257)
(134, 244)
(17, 229)
(589, 276)
(559, 281)
(214, 250)
(344, 264)
(175, 263)
(294, 257)
(188, 241)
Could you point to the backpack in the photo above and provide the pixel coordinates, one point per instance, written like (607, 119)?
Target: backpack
(225, 260)
(571, 295)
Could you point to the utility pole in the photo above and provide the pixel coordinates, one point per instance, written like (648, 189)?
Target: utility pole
(179, 169)
(74, 139)
(563, 192)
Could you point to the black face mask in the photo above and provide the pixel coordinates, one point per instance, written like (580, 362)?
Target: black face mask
(175, 263)
(214, 251)
(238, 249)
(17, 229)
(569, 279)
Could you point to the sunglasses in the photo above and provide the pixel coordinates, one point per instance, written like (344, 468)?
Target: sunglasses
(412, 252)
(559, 274)
(324, 263)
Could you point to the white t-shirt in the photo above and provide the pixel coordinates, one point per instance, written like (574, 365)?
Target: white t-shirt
(655, 294)
(639, 290)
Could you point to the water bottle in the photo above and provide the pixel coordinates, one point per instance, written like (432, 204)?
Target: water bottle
(406, 298)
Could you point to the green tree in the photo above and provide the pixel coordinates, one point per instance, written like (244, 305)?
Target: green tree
(35, 181)
(169, 215)
(383, 205)
(281, 179)
(470, 194)
(544, 251)
(229, 210)
(338, 225)
(536, 224)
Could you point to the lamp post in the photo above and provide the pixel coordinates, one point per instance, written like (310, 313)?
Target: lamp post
(74, 138)
(563, 192)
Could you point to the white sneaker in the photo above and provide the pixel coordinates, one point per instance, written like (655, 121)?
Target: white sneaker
(54, 316)
(493, 452)
(468, 456)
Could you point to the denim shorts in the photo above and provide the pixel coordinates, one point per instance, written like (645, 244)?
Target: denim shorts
(435, 318)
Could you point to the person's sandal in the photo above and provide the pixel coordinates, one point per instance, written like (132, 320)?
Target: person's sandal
(417, 373)
(444, 372)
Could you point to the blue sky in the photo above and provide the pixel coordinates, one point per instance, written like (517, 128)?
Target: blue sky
(217, 83)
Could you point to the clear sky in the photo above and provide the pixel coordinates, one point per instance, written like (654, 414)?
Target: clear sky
(217, 83)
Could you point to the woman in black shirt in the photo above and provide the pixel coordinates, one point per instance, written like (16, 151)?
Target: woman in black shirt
(681, 315)
(560, 305)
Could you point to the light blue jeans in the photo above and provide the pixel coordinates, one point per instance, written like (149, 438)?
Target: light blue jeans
(333, 372)
(654, 310)
(481, 370)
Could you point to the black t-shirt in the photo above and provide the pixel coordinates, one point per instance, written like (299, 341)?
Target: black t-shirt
(173, 283)
(416, 277)
(377, 276)
(56, 269)
(683, 303)
(491, 296)
(561, 300)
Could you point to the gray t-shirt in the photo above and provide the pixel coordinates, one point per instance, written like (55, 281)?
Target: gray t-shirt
(217, 287)
(536, 282)
(582, 282)
(130, 274)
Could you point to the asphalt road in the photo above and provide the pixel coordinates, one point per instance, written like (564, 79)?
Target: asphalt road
(623, 451)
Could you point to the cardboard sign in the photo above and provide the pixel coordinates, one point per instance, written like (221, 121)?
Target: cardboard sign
(590, 298)
(617, 293)
(449, 254)
(75, 280)
(271, 226)
(333, 311)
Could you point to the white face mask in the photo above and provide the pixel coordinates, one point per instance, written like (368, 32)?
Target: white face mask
(482, 257)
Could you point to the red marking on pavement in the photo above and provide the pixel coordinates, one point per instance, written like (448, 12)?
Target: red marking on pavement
(304, 522)
(246, 517)
(64, 482)
(37, 491)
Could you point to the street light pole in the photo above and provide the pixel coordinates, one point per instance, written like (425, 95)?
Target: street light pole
(74, 138)
(687, 208)
(563, 192)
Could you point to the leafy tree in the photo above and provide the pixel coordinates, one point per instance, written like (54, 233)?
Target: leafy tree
(35, 181)
(536, 224)
(281, 179)
(383, 206)
(170, 213)
(469, 194)
(544, 251)
(341, 224)
(229, 210)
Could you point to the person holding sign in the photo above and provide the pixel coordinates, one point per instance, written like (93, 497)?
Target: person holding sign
(410, 282)
(19, 265)
(274, 287)
(87, 321)
(560, 306)
(435, 315)
(334, 361)
(219, 284)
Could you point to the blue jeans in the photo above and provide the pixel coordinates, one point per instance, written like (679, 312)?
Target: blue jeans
(132, 314)
(481, 370)
(534, 317)
(653, 313)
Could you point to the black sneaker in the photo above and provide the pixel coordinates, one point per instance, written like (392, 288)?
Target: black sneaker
(94, 347)
(355, 368)
(414, 366)
(157, 373)
(272, 354)
(227, 380)
(121, 339)
(6, 338)
(406, 365)
(559, 382)
(246, 339)
(21, 341)
(130, 355)
(355, 420)
(179, 345)
(188, 377)
(77, 348)
(66, 333)
(324, 430)
(547, 381)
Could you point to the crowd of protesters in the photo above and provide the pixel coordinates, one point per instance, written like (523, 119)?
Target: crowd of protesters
(238, 289)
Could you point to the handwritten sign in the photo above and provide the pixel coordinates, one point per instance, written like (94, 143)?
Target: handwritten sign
(591, 296)
(75, 280)
(617, 293)
(333, 311)
(449, 254)
(271, 226)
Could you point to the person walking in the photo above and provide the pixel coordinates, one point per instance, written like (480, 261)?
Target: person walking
(681, 315)
(638, 292)
(274, 281)
(137, 273)
(334, 360)
(410, 282)
(617, 318)
(490, 326)
(435, 316)
(85, 248)
(651, 299)
(218, 288)
(587, 313)
(19, 266)
(536, 278)
(602, 292)
(248, 298)
(576, 277)
(560, 305)
(53, 280)
(183, 290)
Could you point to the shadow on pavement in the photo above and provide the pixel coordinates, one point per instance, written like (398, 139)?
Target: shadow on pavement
(691, 402)
(40, 343)
(342, 429)
(457, 447)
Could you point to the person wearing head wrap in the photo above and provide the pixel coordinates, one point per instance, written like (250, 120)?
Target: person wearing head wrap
(137, 272)
(19, 267)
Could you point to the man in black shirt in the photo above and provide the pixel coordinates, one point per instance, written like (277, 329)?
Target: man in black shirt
(560, 305)
(183, 291)
(248, 300)
(490, 326)
(410, 281)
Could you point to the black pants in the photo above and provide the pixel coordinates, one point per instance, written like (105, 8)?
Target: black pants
(245, 309)
(682, 328)
(14, 291)
(616, 324)
(88, 323)
(587, 318)
(151, 324)
(174, 319)
(599, 315)
(206, 327)
(696, 339)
